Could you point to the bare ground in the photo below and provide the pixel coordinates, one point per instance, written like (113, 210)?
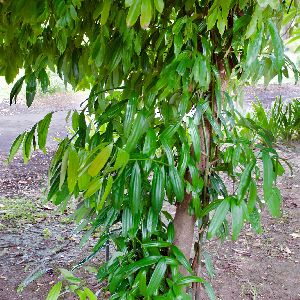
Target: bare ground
(254, 267)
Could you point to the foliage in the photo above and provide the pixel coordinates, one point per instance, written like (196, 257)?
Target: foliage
(282, 119)
(72, 284)
(159, 124)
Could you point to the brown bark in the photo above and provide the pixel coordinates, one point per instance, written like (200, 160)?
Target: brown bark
(184, 228)
(184, 223)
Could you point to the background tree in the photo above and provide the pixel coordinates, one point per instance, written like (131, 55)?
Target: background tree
(159, 124)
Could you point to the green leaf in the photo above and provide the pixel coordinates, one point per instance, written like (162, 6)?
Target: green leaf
(73, 164)
(194, 132)
(146, 13)
(106, 192)
(44, 80)
(139, 127)
(42, 129)
(157, 244)
(209, 265)
(245, 180)
(187, 280)
(63, 169)
(129, 114)
(142, 283)
(159, 5)
(252, 196)
(254, 218)
(274, 202)
(181, 258)
(100, 161)
(177, 183)
(157, 277)
(16, 90)
(254, 47)
(54, 292)
(93, 187)
(268, 175)
(27, 143)
(30, 89)
(135, 189)
(15, 146)
(212, 18)
(90, 294)
(237, 219)
(277, 44)
(127, 270)
(121, 159)
(218, 217)
(69, 276)
(157, 191)
(105, 12)
(210, 291)
(150, 143)
(133, 13)
(152, 221)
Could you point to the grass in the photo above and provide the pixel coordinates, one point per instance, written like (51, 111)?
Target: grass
(19, 211)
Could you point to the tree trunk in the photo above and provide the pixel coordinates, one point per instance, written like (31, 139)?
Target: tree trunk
(184, 228)
(184, 223)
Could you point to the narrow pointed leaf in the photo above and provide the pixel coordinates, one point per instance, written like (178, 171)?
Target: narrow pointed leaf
(177, 183)
(135, 189)
(218, 218)
(42, 129)
(73, 164)
(54, 292)
(146, 13)
(157, 192)
(30, 89)
(159, 5)
(15, 146)
(237, 219)
(157, 277)
(133, 13)
(100, 161)
(16, 90)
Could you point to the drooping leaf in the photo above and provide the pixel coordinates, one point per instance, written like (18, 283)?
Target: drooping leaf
(218, 218)
(159, 5)
(42, 130)
(54, 292)
(245, 181)
(237, 219)
(158, 192)
(135, 189)
(63, 169)
(177, 183)
(73, 164)
(16, 90)
(146, 13)
(133, 13)
(268, 175)
(157, 277)
(16, 146)
(30, 89)
(100, 161)
(105, 11)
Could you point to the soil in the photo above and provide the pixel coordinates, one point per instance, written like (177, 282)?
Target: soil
(36, 238)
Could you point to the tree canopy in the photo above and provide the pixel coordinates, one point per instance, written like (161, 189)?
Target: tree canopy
(159, 124)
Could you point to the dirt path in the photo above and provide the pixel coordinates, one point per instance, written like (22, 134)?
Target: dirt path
(265, 266)
(255, 267)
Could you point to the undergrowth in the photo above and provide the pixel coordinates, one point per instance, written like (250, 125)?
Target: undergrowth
(282, 119)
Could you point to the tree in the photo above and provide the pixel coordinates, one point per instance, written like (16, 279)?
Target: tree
(159, 124)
